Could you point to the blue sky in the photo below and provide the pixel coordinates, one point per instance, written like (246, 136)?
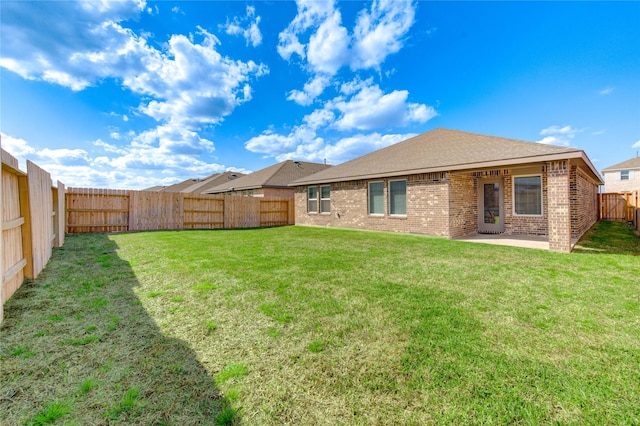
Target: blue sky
(131, 94)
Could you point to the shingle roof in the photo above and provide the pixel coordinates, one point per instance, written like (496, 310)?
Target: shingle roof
(442, 150)
(634, 163)
(213, 181)
(181, 186)
(277, 176)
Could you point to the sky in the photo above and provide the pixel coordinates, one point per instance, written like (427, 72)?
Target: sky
(133, 94)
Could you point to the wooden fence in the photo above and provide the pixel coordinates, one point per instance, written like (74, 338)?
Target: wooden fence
(106, 210)
(623, 207)
(32, 223)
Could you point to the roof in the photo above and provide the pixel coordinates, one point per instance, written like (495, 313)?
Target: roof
(181, 186)
(277, 176)
(445, 150)
(213, 181)
(634, 163)
(155, 188)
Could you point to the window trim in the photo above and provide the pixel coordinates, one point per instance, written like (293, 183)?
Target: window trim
(513, 195)
(312, 199)
(624, 173)
(324, 199)
(369, 198)
(405, 197)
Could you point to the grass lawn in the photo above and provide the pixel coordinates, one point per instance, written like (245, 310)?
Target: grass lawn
(320, 326)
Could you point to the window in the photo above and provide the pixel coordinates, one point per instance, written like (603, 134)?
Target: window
(624, 175)
(325, 199)
(312, 199)
(527, 195)
(398, 197)
(376, 198)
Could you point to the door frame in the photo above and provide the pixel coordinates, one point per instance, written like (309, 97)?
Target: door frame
(496, 227)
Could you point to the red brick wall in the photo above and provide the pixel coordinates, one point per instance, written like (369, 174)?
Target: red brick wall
(427, 207)
(584, 202)
(276, 192)
(559, 205)
(463, 204)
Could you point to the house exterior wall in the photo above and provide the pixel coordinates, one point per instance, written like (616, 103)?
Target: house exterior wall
(463, 204)
(446, 204)
(584, 202)
(277, 192)
(427, 206)
(559, 201)
(613, 182)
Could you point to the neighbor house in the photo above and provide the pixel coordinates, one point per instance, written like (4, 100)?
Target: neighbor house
(198, 185)
(270, 181)
(623, 177)
(451, 183)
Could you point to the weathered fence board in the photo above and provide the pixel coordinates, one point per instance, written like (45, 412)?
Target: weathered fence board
(32, 222)
(12, 221)
(40, 203)
(100, 210)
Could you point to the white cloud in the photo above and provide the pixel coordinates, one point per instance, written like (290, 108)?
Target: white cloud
(277, 145)
(362, 106)
(304, 144)
(312, 89)
(370, 108)
(188, 82)
(558, 135)
(319, 118)
(636, 145)
(17, 147)
(310, 14)
(146, 161)
(606, 91)
(379, 32)
(247, 26)
(328, 48)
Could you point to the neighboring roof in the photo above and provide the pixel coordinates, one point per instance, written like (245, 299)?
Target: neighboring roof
(155, 188)
(634, 163)
(213, 181)
(277, 176)
(181, 186)
(445, 150)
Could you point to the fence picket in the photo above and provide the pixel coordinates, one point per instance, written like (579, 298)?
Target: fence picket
(92, 210)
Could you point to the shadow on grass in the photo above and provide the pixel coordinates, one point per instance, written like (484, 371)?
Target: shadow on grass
(608, 237)
(77, 344)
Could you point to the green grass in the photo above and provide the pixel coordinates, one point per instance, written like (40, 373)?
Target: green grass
(51, 413)
(322, 326)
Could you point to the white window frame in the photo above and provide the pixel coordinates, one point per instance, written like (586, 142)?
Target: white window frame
(624, 173)
(405, 198)
(313, 199)
(324, 199)
(513, 195)
(369, 198)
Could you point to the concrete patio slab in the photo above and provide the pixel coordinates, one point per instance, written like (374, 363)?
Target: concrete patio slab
(540, 243)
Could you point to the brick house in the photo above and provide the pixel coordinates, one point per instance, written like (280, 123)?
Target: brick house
(622, 177)
(270, 181)
(451, 183)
